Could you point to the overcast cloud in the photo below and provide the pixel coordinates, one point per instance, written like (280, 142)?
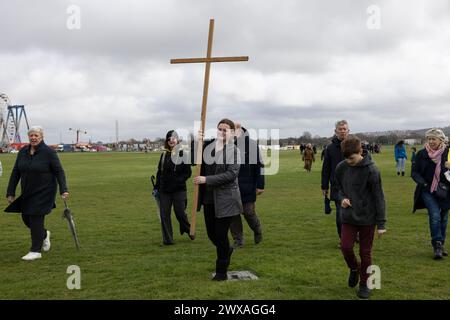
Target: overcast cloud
(311, 63)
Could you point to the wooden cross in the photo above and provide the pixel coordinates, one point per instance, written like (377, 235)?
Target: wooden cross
(199, 151)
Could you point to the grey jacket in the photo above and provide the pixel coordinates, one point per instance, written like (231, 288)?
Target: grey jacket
(362, 185)
(227, 197)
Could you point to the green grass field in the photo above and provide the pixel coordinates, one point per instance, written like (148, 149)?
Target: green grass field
(122, 256)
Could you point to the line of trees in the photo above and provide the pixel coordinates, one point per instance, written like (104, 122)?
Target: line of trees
(383, 139)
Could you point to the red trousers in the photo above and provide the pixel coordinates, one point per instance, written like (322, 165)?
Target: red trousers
(348, 238)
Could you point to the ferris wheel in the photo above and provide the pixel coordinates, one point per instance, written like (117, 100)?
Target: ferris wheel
(10, 126)
(4, 103)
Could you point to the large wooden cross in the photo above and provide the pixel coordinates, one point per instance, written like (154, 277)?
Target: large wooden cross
(199, 151)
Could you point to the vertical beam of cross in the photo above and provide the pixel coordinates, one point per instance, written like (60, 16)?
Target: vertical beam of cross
(199, 152)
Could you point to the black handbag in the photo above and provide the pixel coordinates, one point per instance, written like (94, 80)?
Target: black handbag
(442, 191)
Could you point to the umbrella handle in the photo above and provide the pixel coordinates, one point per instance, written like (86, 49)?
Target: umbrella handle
(152, 179)
(65, 203)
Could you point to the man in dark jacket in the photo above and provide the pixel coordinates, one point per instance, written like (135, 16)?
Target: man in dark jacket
(332, 157)
(251, 184)
(363, 208)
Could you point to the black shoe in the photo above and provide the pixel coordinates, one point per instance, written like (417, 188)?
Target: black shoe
(192, 237)
(398, 173)
(363, 292)
(438, 251)
(220, 277)
(353, 278)
(403, 174)
(168, 243)
(257, 237)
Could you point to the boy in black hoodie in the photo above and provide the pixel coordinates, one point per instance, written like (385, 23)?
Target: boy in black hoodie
(363, 208)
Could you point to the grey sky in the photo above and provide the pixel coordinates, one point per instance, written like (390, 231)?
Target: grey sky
(311, 63)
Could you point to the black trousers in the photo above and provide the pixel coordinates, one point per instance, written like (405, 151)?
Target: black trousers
(217, 229)
(178, 201)
(38, 233)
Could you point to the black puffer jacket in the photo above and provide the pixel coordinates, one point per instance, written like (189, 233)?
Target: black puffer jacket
(172, 172)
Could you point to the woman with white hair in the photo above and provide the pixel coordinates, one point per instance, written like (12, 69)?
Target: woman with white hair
(432, 193)
(38, 169)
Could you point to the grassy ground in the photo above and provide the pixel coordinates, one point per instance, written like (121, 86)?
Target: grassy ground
(122, 256)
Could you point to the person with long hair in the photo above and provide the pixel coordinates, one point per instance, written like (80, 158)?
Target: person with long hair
(171, 179)
(400, 157)
(219, 192)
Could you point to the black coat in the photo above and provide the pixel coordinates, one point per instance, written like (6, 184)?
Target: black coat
(333, 156)
(422, 173)
(171, 177)
(38, 175)
(250, 177)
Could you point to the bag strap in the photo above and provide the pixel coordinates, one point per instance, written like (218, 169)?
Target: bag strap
(161, 162)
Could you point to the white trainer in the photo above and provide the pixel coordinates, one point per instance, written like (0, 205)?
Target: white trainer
(46, 244)
(32, 256)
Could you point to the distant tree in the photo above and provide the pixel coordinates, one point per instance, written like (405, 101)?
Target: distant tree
(382, 139)
(307, 136)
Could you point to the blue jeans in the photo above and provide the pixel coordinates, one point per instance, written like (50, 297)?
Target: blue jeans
(401, 164)
(437, 217)
(338, 218)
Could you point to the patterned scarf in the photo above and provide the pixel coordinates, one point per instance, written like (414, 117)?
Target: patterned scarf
(435, 156)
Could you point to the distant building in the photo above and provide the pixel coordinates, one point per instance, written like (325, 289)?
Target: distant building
(274, 147)
(412, 142)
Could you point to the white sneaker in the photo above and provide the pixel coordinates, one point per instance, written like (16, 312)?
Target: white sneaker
(46, 244)
(32, 256)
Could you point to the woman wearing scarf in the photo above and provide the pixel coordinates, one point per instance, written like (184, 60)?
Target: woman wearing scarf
(171, 178)
(432, 187)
